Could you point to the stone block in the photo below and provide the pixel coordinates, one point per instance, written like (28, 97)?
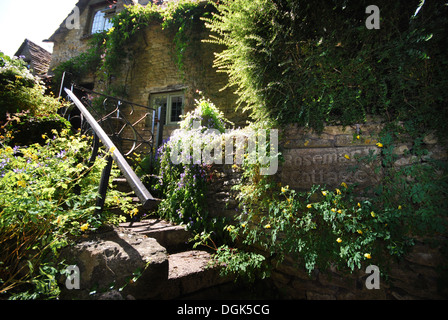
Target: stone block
(114, 260)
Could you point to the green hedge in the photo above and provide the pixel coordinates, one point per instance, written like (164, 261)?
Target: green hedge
(316, 62)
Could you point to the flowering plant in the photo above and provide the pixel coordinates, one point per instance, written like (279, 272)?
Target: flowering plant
(184, 184)
(48, 196)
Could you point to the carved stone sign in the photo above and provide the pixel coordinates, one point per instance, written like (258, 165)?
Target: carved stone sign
(305, 167)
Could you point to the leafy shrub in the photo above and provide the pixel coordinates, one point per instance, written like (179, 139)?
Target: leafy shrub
(48, 197)
(313, 63)
(21, 91)
(29, 130)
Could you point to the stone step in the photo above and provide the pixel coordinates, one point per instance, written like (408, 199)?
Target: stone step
(122, 185)
(173, 237)
(190, 272)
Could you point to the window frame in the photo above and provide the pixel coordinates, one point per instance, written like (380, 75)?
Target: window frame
(108, 13)
(168, 96)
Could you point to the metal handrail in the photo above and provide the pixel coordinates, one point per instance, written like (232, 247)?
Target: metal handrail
(147, 200)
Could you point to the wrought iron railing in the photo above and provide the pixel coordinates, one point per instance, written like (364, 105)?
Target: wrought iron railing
(123, 141)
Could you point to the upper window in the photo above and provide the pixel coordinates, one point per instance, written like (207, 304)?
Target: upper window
(102, 19)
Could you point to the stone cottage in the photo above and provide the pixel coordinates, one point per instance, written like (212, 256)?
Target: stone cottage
(151, 76)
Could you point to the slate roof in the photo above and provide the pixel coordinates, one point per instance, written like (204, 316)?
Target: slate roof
(38, 58)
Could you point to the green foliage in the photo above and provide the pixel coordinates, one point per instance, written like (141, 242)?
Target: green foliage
(208, 116)
(347, 227)
(21, 91)
(48, 196)
(28, 130)
(315, 63)
(249, 265)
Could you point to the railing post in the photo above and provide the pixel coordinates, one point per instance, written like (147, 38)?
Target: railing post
(104, 183)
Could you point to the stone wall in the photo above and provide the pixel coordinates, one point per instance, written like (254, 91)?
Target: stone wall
(312, 158)
(420, 275)
(326, 158)
(69, 43)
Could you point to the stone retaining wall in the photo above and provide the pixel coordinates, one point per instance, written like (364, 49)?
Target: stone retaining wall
(310, 159)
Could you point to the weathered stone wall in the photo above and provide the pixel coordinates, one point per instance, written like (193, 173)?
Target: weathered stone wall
(312, 158)
(325, 158)
(68, 43)
(420, 275)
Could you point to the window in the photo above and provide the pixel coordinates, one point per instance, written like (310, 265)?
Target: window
(172, 105)
(102, 19)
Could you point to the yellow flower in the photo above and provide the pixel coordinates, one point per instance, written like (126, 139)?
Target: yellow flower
(338, 240)
(333, 209)
(21, 183)
(368, 256)
(44, 137)
(339, 211)
(359, 205)
(309, 206)
(338, 191)
(359, 231)
(400, 207)
(112, 150)
(283, 190)
(357, 137)
(243, 225)
(85, 227)
(346, 156)
(324, 193)
(306, 143)
(379, 145)
(268, 226)
(133, 212)
(79, 165)
(372, 214)
(344, 185)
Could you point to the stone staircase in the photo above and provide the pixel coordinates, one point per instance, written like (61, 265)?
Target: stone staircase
(188, 269)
